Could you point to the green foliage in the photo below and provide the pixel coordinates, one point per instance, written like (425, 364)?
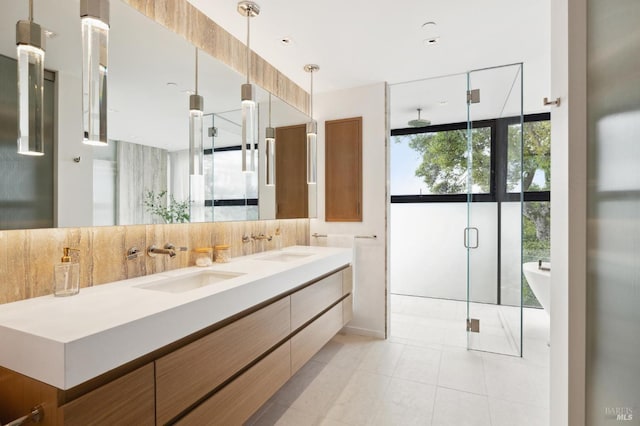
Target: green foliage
(444, 160)
(156, 204)
(536, 156)
(444, 171)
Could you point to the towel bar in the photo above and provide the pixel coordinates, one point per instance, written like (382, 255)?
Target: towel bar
(35, 416)
(371, 237)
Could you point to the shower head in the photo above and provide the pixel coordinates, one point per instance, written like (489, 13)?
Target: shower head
(419, 122)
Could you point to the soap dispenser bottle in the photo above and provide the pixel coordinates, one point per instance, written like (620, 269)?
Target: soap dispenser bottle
(66, 276)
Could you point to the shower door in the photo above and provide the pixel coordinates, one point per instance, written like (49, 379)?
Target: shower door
(492, 237)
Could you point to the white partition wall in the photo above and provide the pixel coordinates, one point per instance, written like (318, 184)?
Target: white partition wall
(428, 257)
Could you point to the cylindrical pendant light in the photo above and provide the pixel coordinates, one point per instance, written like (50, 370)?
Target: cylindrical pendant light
(95, 53)
(248, 9)
(196, 153)
(30, 40)
(312, 133)
(270, 151)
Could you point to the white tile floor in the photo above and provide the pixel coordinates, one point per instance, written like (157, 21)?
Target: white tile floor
(422, 375)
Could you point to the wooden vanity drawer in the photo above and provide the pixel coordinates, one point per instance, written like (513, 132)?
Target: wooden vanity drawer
(237, 401)
(313, 337)
(347, 281)
(311, 300)
(347, 309)
(189, 373)
(127, 400)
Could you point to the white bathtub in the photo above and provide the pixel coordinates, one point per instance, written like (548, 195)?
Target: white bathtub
(540, 283)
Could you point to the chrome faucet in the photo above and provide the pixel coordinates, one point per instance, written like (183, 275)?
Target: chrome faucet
(168, 249)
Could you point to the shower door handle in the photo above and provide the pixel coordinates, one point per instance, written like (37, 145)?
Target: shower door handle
(467, 237)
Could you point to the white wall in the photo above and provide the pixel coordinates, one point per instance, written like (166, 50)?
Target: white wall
(370, 287)
(568, 204)
(74, 181)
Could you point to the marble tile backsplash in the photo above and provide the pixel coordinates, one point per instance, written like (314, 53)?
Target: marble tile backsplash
(27, 256)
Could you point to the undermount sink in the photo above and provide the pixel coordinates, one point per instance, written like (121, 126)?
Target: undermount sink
(285, 256)
(189, 282)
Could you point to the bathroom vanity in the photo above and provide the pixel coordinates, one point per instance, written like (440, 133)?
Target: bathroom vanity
(190, 346)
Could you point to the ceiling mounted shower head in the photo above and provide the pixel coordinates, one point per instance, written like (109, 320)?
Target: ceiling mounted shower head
(419, 122)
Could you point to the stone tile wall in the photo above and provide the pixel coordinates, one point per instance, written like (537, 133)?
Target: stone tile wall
(27, 257)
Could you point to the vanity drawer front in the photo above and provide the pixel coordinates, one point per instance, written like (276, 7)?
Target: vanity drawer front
(347, 309)
(128, 400)
(311, 300)
(237, 401)
(189, 373)
(347, 281)
(313, 337)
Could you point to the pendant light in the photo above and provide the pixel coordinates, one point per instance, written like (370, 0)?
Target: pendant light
(30, 40)
(270, 151)
(196, 153)
(248, 9)
(95, 52)
(312, 132)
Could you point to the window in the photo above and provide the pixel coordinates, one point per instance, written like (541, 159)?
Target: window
(435, 162)
(536, 157)
(431, 167)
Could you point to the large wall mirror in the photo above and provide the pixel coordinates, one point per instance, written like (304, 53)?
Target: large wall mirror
(142, 177)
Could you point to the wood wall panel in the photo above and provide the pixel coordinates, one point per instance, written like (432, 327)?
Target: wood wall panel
(189, 373)
(292, 190)
(343, 170)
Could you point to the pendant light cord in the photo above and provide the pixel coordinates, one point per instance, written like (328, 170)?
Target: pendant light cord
(269, 109)
(30, 10)
(311, 97)
(248, 40)
(196, 70)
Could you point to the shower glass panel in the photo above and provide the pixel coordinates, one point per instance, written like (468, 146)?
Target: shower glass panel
(428, 192)
(494, 289)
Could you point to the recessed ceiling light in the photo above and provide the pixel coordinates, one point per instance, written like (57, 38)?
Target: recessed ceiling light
(428, 25)
(286, 41)
(443, 102)
(188, 92)
(431, 41)
(172, 84)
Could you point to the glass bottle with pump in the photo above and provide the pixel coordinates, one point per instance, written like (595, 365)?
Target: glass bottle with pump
(66, 275)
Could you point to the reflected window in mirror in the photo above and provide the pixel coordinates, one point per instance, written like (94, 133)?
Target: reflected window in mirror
(231, 194)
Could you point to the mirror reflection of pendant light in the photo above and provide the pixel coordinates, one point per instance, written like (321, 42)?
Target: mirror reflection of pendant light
(30, 40)
(95, 53)
(196, 153)
(249, 128)
(270, 154)
(312, 132)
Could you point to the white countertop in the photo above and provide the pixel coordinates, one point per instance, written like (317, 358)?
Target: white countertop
(65, 341)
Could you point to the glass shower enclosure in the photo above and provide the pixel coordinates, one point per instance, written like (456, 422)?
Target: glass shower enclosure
(493, 235)
(455, 185)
